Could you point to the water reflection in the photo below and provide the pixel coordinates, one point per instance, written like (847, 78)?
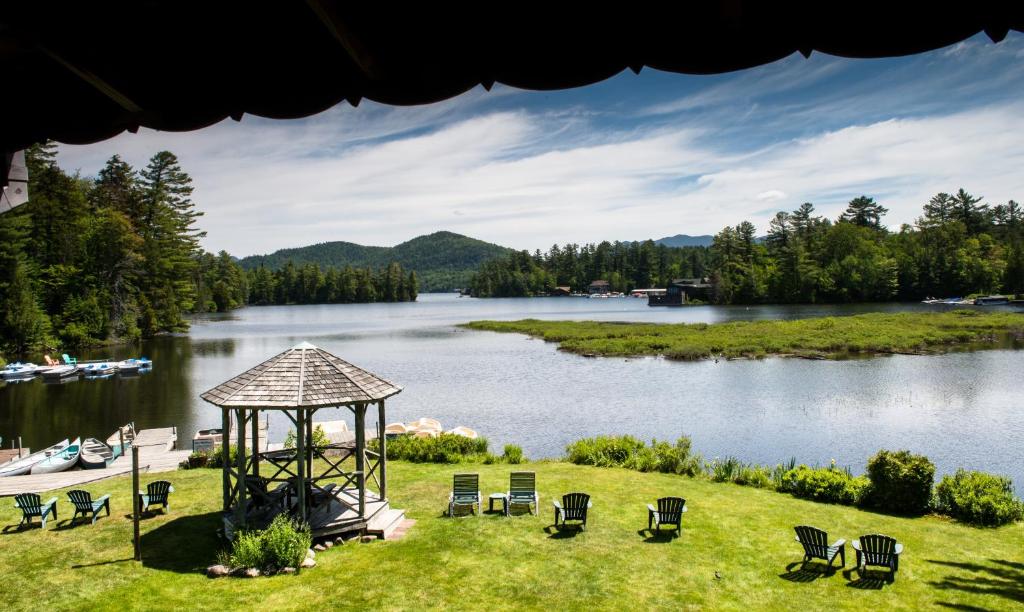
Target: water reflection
(961, 409)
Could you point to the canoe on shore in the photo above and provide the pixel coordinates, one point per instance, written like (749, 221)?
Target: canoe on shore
(60, 460)
(95, 454)
(17, 467)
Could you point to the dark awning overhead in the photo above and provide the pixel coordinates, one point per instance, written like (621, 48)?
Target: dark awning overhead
(81, 72)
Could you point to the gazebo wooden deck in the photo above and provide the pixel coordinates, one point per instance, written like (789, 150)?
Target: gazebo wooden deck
(330, 496)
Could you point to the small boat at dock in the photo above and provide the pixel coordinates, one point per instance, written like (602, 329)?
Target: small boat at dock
(55, 373)
(95, 454)
(463, 431)
(60, 460)
(17, 467)
(19, 371)
(134, 366)
(99, 370)
(121, 440)
(991, 300)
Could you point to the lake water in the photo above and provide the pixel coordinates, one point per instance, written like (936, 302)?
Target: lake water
(962, 409)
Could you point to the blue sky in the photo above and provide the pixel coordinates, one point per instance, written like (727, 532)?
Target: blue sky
(633, 157)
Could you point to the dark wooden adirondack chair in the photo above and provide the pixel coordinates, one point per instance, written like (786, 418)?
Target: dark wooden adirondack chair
(816, 546)
(879, 550)
(574, 507)
(669, 512)
(156, 494)
(32, 505)
(259, 491)
(522, 491)
(85, 506)
(465, 492)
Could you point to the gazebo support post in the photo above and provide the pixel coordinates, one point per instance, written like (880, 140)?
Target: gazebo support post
(360, 410)
(300, 454)
(240, 508)
(225, 424)
(383, 448)
(310, 445)
(256, 443)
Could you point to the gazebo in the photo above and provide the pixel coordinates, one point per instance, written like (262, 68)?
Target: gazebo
(260, 484)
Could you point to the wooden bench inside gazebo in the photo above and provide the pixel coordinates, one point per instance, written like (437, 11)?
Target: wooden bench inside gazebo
(315, 484)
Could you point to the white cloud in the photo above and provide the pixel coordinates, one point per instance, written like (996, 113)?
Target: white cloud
(770, 195)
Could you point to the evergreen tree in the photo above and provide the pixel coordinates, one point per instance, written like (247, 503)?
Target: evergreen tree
(864, 212)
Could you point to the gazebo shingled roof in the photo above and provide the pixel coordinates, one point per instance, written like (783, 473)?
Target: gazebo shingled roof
(304, 376)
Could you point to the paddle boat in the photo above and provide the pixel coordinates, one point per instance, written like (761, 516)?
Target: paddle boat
(95, 454)
(99, 370)
(463, 431)
(60, 460)
(134, 366)
(17, 467)
(19, 371)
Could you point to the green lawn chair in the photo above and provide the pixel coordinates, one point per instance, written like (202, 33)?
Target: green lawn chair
(156, 495)
(669, 512)
(465, 492)
(574, 507)
(68, 360)
(816, 546)
(522, 491)
(85, 506)
(879, 550)
(32, 505)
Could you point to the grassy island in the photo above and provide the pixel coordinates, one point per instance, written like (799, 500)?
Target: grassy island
(816, 338)
(736, 552)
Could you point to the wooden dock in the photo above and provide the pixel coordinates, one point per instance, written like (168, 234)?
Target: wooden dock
(156, 454)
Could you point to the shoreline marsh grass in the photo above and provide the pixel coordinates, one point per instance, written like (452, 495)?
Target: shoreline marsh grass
(816, 338)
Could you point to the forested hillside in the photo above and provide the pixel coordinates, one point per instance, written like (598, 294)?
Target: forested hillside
(959, 246)
(443, 261)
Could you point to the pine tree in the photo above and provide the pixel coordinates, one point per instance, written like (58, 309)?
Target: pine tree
(865, 212)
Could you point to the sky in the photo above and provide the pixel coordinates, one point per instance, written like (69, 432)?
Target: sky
(630, 158)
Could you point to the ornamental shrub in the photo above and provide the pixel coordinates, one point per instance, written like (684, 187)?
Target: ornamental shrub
(901, 482)
(829, 484)
(978, 498)
(282, 544)
(605, 451)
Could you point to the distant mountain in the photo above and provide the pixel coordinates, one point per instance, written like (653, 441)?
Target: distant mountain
(685, 240)
(443, 261)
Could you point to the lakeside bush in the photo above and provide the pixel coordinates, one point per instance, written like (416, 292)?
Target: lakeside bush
(633, 454)
(445, 448)
(829, 484)
(210, 459)
(282, 544)
(901, 482)
(978, 498)
(513, 454)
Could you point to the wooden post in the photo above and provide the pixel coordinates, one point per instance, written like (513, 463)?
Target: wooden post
(300, 454)
(19, 447)
(361, 456)
(240, 508)
(120, 432)
(225, 438)
(135, 502)
(383, 448)
(309, 444)
(256, 443)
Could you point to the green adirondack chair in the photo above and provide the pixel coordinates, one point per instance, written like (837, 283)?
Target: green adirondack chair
(156, 495)
(816, 546)
(68, 360)
(879, 550)
(32, 505)
(574, 507)
(465, 493)
(85, 506)
(669, 512)
(522, 491)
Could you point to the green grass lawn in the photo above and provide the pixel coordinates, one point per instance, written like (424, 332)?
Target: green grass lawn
(744, 534)
(823, 337)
